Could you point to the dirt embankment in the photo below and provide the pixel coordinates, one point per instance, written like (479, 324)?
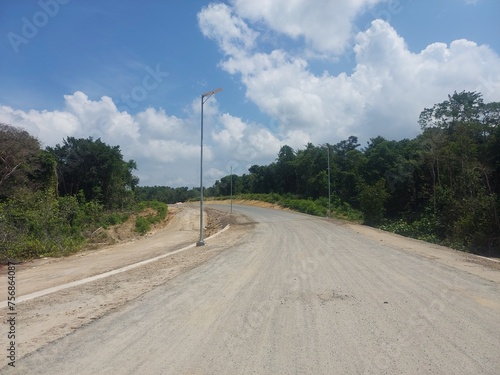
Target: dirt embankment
(248, 202)
(125, 232)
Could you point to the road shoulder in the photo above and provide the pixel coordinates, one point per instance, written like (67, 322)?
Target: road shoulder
(52, 316)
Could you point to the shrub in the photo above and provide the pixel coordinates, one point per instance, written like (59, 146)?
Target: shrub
(142, 225)
(421, 229)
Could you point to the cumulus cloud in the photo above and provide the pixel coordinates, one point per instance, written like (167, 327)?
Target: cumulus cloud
(384, 94)
(165, 147)
(230, 31)
(101, 118)
(46, 126)
(326, 26)
(156, 123)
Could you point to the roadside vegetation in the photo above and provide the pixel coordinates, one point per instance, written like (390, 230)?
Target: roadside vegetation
(443, 186)
(52, 200)
(143, 223)
(318, 207)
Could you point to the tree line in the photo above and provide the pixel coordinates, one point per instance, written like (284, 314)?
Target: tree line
(52, 199)
(442, 186)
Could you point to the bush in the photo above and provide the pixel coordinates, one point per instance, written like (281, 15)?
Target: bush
(304, 205)
(114, 218)
(41, 225)
(422, 229)
(142, 225)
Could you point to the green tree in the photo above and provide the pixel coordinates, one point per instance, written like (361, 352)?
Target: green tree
(310, 165)
(347, 168)
(286, 176)
(394, 161)
(95, 168)
(372, 200)
(457, 140)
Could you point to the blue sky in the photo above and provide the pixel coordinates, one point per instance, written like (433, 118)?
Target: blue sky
(293, 72)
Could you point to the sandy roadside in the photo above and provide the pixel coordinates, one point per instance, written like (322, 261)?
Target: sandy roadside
(47, 318)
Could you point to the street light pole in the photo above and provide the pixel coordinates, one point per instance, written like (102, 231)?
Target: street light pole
(231, 189)
(329, 190)
(204, 98)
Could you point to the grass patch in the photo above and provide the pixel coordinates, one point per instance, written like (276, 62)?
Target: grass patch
(318, 207)
(143, 223)
(114, 218)
(422, 229)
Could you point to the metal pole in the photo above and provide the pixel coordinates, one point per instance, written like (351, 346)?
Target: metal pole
(231, 189)
(329, 190)
(203, 100)
(200, 241)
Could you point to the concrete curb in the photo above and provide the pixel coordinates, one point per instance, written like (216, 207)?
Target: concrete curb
(106, 274)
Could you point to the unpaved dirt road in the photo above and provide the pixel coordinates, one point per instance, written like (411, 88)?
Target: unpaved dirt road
(286, 293)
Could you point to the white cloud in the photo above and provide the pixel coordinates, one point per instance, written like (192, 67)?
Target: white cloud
(232, 133)
(239, 142)
(230, 31)
(172, 151)
(397, 84)
(384, 95)
(326, 26)
(166, 148)
(46, 126)
(154, 139)
(156, 123)
(101, 118)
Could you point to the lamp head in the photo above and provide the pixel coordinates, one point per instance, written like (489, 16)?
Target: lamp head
(209, 93)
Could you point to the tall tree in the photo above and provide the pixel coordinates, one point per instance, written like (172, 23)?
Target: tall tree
(457, 138)
(464, 107)
(286, 176)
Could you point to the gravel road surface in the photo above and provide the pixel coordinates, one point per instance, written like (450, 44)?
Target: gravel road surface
(295, 295)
